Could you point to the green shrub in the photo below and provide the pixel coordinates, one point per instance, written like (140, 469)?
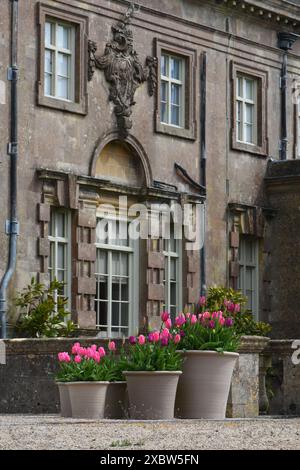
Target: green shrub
(244, 323)
(42, 312)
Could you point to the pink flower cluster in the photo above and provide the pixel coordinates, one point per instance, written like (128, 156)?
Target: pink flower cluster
(207, 319)
(232, 307)
(163, 337)
(79, 353)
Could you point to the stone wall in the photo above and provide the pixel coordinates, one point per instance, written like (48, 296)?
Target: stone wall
(27, 380)
(283, 379)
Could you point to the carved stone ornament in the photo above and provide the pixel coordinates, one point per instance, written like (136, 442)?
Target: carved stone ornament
(123, 70)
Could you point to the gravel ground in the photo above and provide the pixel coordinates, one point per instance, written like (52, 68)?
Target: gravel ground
(53, 432)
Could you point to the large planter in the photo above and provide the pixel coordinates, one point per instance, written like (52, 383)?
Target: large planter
(204, 385)
(152, 394)
(88, 399)
(64, 397)
(116, 406)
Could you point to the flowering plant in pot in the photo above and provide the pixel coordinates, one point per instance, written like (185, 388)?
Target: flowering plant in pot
(152, 367)
(83, 379)
(208, 345)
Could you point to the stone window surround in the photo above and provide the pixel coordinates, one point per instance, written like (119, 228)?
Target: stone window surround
(296, 95)
(261, 149)
(80, 194)
(190, 57)
(80, 22)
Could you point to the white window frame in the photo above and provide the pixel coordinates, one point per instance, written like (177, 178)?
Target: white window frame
(170, 81)
(244, 102)
(177, 256)
(55, 50)
(133, 277)
(55, 240)
(244, 264)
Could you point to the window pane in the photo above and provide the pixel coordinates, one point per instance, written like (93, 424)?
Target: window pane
(48, 61)
(60, 224)
(249, 109)
(115, 263)
(249, 85)
(240, 93)
(124, 290)
(175, 68)
(102, 288)
(63, 37)
(124, 315)
(164, 65)
(175, 94)
(49, 36)
(48, 84)
(115, 310)
(175, 115)
(102, 262)
(173, 269)
(102, 313)
(115, 289)
(239, 120)
(62, 88)
(124, 264)
(63, 65)
(164, 91)
(60, 256)
(249, 133)
(164, 113)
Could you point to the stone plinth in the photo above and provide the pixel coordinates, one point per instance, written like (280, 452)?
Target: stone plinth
(244, 395)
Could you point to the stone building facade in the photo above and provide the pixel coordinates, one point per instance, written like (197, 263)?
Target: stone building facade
(164, 102)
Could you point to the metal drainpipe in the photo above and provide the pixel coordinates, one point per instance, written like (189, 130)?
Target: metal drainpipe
(203, 163)
(12, 225)
(285, 43)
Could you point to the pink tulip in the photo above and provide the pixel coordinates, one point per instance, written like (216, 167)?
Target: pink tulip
(97, 357)
(211, 324)
(82, 351)
(164, 341)
(206, 315)
(168, 323)
(177, 339)
(155, 335)
(94, 347)
(180, 320)
(237, 308)
(202, 301)
(64, 357)
(165, 316)
(188, 315)
(222, 321)
(101, 351)
(75, 348)
(141, 340)
(193, 319)
(165, 333)
(77, 359)
(112, 346)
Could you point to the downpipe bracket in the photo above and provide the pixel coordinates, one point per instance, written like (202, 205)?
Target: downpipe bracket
(12, 227)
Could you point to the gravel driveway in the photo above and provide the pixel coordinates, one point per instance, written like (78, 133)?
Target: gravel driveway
(53, 432)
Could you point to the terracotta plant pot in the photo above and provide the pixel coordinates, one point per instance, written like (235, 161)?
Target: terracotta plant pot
(88, 399)
(64, 396)
(152, 394)
(116, 406)
(204, 386)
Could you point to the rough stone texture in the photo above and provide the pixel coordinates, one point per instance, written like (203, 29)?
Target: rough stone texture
(283, 189)
(283, 379)
(53, 432)
(243, 401)
(27, 380)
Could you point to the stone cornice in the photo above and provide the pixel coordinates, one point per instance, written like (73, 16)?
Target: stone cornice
(281, 13)
(253, 344)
